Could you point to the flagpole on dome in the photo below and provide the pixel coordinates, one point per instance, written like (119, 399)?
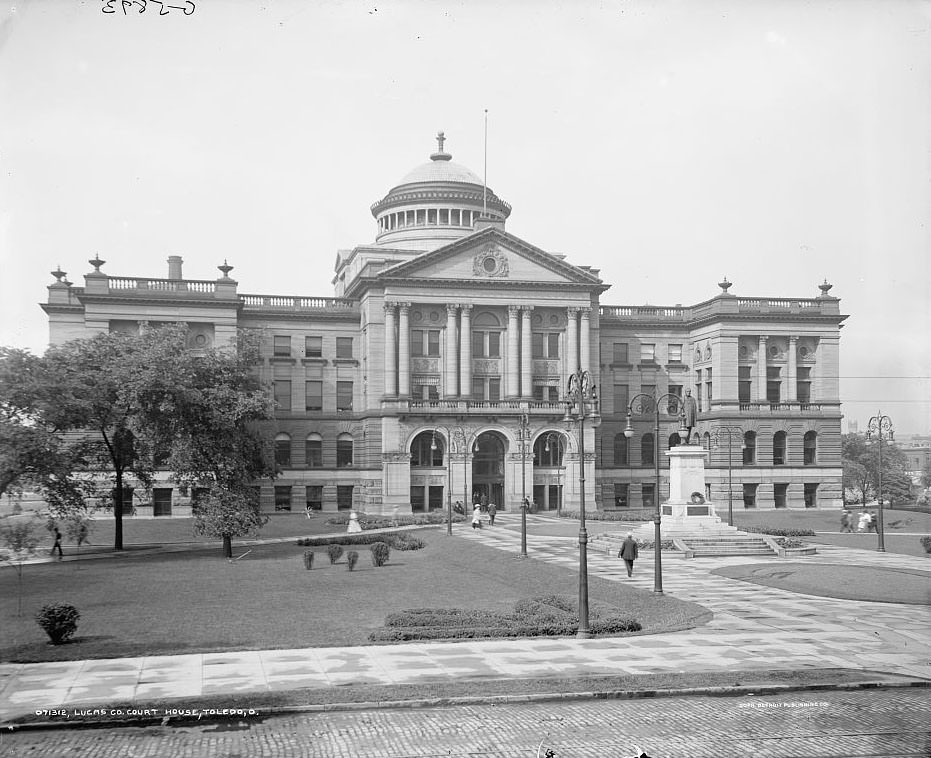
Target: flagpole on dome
(485, 177)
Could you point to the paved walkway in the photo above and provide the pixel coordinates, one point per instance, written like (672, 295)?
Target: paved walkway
(753, 628)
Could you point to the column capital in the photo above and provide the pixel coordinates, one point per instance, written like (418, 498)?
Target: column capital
(526, 308)
(763, 338)
(389, 306)
(513, 310)
(586, 312)
(451, 309)
(793, 338)
(466, 307)
(405, 307)
(572, 311)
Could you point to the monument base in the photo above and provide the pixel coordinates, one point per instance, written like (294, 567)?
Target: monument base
(686, 518)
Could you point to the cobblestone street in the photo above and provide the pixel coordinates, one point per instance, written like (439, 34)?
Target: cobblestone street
(895, 722)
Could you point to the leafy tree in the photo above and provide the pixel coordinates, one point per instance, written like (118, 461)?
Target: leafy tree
(227, 513)
(19, 536)
(926, 473)
(861, 469)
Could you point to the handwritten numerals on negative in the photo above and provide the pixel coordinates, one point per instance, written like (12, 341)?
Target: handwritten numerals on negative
(164, 7)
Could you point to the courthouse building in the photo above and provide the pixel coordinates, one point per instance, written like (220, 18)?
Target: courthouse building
(437, 370)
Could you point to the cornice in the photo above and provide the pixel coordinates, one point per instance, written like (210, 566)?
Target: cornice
(98, 299)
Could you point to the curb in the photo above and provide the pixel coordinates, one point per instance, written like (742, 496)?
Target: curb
(765, 689)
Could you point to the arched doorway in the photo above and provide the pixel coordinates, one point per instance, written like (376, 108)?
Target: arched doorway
(488, 469)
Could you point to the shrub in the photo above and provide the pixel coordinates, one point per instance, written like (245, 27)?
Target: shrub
(60, 622)
(788, 542)
(300, 542)
(380, 553)
(352, 558)
(334, 551)
(926, 544)
(398, 541)
(308, 559)
(773, 531)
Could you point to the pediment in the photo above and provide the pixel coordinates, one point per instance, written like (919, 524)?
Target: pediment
(490, 256)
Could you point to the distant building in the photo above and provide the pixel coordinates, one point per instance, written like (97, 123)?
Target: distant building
(407, 389)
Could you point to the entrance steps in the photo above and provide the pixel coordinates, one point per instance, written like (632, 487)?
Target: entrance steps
(699, 545)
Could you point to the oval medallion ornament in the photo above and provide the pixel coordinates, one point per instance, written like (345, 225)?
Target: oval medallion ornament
(490, 262)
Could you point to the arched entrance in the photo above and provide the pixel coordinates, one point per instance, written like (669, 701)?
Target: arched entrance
(488, 469)
(548, 471)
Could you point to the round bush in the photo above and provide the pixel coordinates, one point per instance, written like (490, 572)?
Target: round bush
(60, 622)
(352, 558)
(380, 553)
(334, 551)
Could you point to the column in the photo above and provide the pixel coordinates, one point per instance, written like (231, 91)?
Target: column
(465, 353)
(761, 370)
(391, 353)
(526, 357)
(512, 375)
(451, 348)
(572, 342)
(404, 351)
(792, 378)
(585, 340)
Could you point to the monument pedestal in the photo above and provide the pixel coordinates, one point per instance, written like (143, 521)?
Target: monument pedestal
(686, 512)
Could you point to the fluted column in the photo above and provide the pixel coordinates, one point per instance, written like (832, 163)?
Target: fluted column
(761, 370)
(465, 353)
(391, 353)
(572, 339)
(512, 374)
(792, 378)
(404, 351)
(585, 340)
(451, 348)
(526, 355)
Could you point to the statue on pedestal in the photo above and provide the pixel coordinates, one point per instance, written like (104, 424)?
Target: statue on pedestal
(689, 415)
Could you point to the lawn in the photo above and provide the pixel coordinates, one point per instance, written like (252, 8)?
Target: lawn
(195, 601)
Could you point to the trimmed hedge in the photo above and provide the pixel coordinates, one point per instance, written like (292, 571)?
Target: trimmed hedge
(386, 522)
(396, 541)
(627, 514)
(773, 531)
(545, 616)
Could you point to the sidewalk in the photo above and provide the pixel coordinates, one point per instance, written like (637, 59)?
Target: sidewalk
(754, 628)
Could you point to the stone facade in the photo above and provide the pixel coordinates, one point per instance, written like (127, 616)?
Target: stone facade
(438, 371)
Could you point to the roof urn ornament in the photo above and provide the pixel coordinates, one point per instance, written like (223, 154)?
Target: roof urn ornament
(725, 286)
(225, 268)
(59, 275)
(825, 288)
(96, 263)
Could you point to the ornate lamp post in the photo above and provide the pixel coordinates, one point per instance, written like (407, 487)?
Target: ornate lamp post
(629, 432)
(881, 427)
(716, 436)
(581, 402)
(552, 438)
(460, 441)
(523, 436)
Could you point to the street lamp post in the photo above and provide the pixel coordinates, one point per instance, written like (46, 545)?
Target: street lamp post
(881, 427)
(523, 436)
(730, 431)
(581, 401)
(629, 432)
(460, 437)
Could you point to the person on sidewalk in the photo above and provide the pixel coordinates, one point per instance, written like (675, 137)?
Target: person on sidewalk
(863, 523)
(492, 510)
(629, 553)
(477, 517)
(57, 545)
(845, 525)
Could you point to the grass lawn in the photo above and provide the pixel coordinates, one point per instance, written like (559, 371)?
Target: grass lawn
(196, 601)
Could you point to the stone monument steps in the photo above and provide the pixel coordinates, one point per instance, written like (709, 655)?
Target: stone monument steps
(697, 547)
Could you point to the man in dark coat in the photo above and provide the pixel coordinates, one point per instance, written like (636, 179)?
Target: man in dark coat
(629, 553)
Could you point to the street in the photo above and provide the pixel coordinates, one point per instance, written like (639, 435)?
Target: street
(891, 722)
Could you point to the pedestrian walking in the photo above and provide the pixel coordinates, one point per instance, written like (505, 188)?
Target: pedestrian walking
(845, 522)
(57, 545)
(863, 523)
(629, 553)
(492, 510)
(484, 502)
(477, 517)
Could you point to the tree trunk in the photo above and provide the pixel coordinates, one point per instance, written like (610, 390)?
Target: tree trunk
(227, 546)
(118, 511)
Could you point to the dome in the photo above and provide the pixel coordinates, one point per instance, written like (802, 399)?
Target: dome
(440, 170)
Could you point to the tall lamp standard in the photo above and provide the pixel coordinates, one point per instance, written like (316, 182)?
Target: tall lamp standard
(581, 402)
(716, 435)
(629, 432)
(460, 438)
(881, 427)
(523, 437)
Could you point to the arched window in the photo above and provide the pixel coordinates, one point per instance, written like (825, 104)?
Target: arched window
(646, 449)
(486, 335)
(344, 450)
(779, 449)
(427, 450)
(283, 449)
(313, 450)
(749, 449)
(810, 448)
(674, 440)
(706, 441)
(547, 450)
(621, 457)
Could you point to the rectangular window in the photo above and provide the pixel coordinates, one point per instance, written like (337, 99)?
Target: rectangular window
(779, 495)
(343, 453)
(538, 390)
(494, 390)
(743, 384)
(646, 495)
(478, 345)
(647, 353)
(803, 379)
(418, 502)
(425, 342)
(283, 394)
(675, 353)
(650, 391)
(811, 495)
(282, 345)
(553, 395)
(478, 388)
(545, 345)
(435, 495)
(672, 407)
(537, 339)
(698, 395)
(620, 352)
(313, 347)
(552, 345)
(417, 348)
(314, 497)
(620, 495)
(344, 498)
(749, 496)
(494, 344)
(313, 453)
(779, 449)
(344, 347)
(773, 385)
(433, 342)
(313, 395)
(621, 394)
(283, 498)
(708, 387)
(344, 396)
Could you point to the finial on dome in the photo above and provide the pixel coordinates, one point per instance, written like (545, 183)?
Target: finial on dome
(440, 154)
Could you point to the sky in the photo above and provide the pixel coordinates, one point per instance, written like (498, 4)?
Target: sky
(668, 144)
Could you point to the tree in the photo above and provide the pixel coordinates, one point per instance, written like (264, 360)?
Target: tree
(18, 534)
(856, 472)
(926, 473)
(861, 468)
(134, 403)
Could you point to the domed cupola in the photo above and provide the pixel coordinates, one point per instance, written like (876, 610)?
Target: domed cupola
(436, 203)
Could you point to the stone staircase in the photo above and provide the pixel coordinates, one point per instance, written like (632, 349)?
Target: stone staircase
(698, 545)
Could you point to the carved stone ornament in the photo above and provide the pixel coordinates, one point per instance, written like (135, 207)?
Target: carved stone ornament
(425, 365)
(490, 262)
(489, 366)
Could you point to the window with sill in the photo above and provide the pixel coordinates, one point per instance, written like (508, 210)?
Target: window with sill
(811, 494)
(673, 406)
(621, 398)
(313, 347)
(749, 448)
(749, 495)
(620, 353)
(486, 344)
(282, 498)
(810, 448)
(779, 449)
(281, 346)
(314, 497)
(744, 384)
(313, 450)
(283, 449)
(803, 384)
(344, 446)
(282, 388)
(647, 457)
(344, 347)
(621, 457)
(313, 395)
(773, 385)
(545, 345)
(486, 389)
(344, 396)
(621, 495)
(675, 353)
(425, 342)
(647, 353)
(779, 495)
(344, 497)
(647, 498)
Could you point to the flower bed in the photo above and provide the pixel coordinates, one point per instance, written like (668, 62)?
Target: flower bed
(396, 541)
(386, 522)
(775, 531)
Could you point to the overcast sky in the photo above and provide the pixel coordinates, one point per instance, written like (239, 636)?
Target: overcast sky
(667, 143)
